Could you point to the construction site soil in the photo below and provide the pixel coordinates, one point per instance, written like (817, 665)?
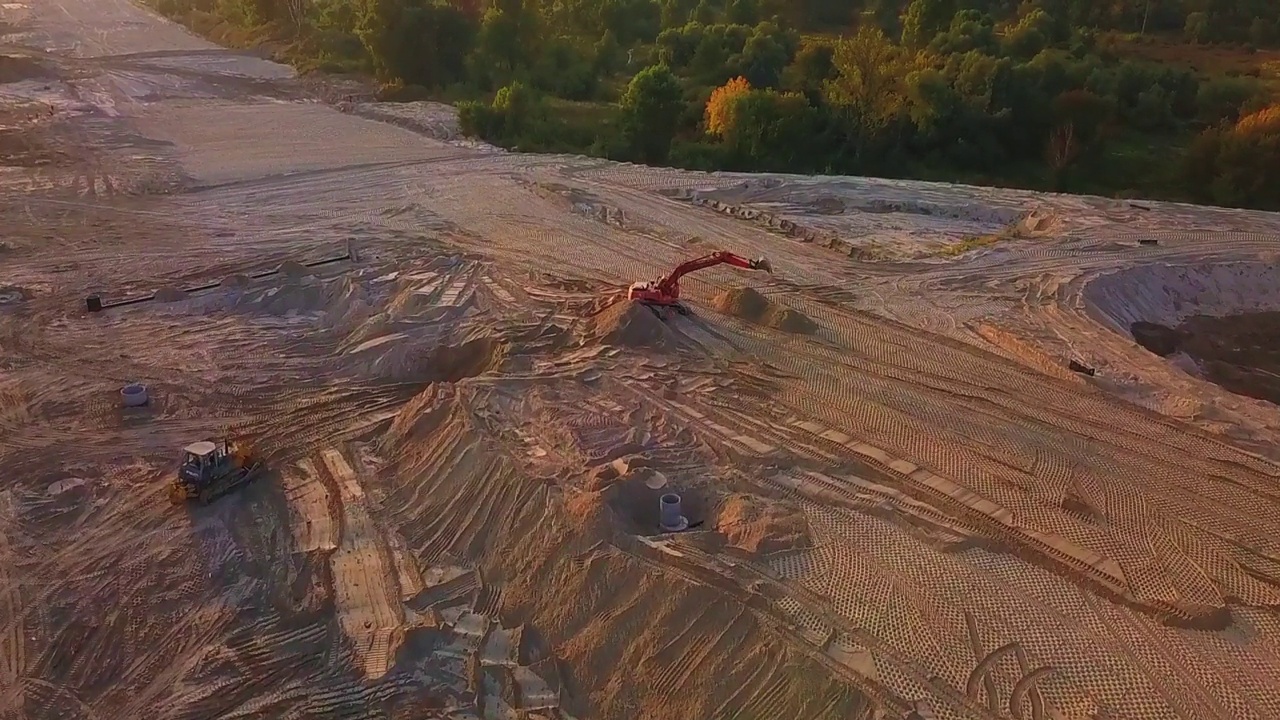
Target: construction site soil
(919, 473)
(1238, 352)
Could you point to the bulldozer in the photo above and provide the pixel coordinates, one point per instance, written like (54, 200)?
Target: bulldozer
(211, 469)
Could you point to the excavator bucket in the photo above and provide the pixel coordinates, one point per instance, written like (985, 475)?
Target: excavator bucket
(763, 263)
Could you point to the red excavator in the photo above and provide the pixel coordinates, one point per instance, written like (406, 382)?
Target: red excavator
(664, 293)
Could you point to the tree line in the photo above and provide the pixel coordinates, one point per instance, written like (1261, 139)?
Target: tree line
(1037, 93)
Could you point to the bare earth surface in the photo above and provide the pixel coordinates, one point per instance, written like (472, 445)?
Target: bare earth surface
(901, 498)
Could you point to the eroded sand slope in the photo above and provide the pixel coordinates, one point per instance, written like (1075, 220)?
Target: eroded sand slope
(901, 497)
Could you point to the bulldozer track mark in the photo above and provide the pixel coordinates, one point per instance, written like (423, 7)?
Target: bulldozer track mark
(806, 641)
(315, 528)
(1026, 688)
(975, 642)
(926, 492)
(368, 609)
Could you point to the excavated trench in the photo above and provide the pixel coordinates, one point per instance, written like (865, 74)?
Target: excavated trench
(1225, 318)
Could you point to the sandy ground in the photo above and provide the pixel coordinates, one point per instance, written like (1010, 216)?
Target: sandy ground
(899, 496)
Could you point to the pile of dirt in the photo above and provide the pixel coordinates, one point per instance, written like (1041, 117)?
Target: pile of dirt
(792, 321)
(630, 324)
(403, 358)
(744, 303)
(748, 304)
(451, 363)
(235, 281)
(294, 270)
(1167, 295)
(341, 302)
(170, 294)
(1036, 223)
(758, 526)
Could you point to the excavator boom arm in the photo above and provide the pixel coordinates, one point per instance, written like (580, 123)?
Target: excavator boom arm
(720, 257)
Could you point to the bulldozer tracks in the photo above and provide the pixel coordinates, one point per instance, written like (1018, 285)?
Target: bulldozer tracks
(914, 503)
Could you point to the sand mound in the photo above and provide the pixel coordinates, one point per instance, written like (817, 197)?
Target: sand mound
(630, 324)
(294, 269)
(1169, 294)
(756, 525)
(744, 303)
(451, 363)
(792, 321)
(399, 357)
(170, 294)
(748, 304)
(1037, 223)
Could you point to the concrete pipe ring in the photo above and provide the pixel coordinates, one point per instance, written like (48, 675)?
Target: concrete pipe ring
(670, 515)
(134, 395)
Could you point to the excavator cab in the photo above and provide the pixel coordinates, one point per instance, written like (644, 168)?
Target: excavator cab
(200, 461)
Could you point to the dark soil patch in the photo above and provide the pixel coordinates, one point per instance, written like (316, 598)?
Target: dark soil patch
(15, 68)
(1240, 353)
(1161, 340)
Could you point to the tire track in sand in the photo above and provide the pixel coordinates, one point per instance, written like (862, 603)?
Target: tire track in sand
(368, 607)
(13, 639)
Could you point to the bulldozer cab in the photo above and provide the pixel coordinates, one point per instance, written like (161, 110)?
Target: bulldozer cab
(201, 459)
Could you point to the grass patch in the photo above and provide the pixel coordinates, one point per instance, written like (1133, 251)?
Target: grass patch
(1205, 60)
(973, 243)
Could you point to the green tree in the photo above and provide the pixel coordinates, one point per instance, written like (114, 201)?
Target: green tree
(609, 55)
(1262, 32)
(870, 77)
(812, 67)
(1223, 99)
(1197, 27)
(1031, 35)
(764, 56)
(394, 33)
(630, 21)
(777, 131)
(510, 39)
(969, 30)
(923, 20)
(564, 70)
(1239, 165)
(651, 107)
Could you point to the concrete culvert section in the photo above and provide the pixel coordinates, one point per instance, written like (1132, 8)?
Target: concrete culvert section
(1224, 318)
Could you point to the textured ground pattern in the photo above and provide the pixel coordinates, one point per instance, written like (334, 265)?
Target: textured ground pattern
(902, 497)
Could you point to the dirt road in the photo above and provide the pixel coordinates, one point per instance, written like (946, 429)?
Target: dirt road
(908, 500)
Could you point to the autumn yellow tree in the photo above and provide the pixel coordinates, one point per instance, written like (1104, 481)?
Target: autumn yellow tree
(720, 105)
(1239, 165)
